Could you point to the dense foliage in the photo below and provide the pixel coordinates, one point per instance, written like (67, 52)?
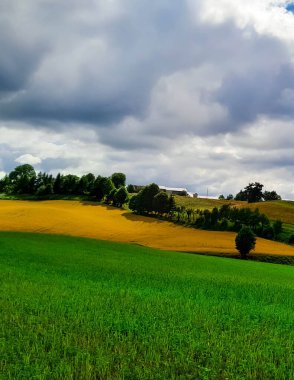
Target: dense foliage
(253, 193)
(151, 200)
(24, 180)
(233, 218)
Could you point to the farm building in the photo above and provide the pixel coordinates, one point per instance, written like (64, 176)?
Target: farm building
(168, 190)
(175, 190)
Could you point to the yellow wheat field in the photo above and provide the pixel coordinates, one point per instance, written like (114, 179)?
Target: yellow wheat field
(107, 223)
(276, 210)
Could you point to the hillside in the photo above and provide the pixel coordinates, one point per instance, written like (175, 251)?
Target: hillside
(87, 219)
(283, 210)
(75, 308)
(203, 203)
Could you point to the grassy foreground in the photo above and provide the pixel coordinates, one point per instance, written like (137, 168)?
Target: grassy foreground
(73, 308)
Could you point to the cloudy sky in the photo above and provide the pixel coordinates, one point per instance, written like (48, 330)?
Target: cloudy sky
(185, 93)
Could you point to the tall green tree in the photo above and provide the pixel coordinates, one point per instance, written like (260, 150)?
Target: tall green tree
(102, 187)
(146, 196)
(251, 193)
(161, 203)
(57, 186)
(70, 184)
(22, 179)
(121, 197)
(134, 204)
(86, 184)
(118, 179)
(254, 192)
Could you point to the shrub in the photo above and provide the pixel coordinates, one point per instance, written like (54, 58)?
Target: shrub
(245, 241)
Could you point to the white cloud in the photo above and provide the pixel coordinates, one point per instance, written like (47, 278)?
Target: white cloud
(28, 159)
(265, 16)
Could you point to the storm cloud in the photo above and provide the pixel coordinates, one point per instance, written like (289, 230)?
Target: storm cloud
(127, 85)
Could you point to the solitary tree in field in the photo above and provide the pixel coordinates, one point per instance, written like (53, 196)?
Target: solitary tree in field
(245, 241)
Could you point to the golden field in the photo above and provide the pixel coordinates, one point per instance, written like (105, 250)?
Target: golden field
(87, 219)
(283, 210)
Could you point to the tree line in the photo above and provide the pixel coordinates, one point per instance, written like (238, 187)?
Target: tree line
(153, 202)
(253, 193)
(228, 218)
(24, 180)
(149, 201)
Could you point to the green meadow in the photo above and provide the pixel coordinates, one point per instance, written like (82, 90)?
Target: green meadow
(74, 308)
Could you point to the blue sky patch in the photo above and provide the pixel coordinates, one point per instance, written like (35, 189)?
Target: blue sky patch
(290, 7)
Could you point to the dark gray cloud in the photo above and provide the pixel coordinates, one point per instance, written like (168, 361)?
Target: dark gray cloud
(267, 90)
(98, 64)
(96, 72)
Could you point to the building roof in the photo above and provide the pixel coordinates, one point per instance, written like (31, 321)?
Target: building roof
(173, 188)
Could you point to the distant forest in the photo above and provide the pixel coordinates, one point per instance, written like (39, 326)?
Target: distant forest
(24, 180)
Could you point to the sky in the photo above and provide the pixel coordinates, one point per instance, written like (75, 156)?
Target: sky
(185, 93)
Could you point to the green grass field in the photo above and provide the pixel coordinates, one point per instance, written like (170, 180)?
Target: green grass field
(73, 308)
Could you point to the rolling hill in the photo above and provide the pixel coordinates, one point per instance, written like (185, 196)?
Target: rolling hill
(86, 219)
(283, 210)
